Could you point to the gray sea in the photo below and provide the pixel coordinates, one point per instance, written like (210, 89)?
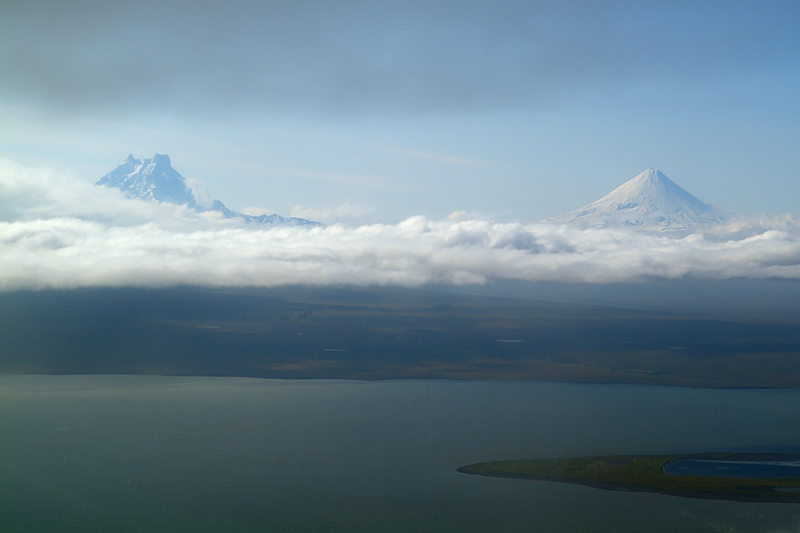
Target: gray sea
(145, 453)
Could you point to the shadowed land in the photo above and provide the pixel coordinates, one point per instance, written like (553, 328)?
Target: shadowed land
(376, 334)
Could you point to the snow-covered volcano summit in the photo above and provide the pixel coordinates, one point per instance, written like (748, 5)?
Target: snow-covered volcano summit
(155, 179)
(649, 202)
(152, 179)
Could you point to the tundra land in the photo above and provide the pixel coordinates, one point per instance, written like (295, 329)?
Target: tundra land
(388, 333)
(645, 473)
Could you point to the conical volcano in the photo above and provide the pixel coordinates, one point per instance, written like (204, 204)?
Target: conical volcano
(649, 202)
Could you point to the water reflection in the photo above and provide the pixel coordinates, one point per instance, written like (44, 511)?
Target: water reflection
(737, 468)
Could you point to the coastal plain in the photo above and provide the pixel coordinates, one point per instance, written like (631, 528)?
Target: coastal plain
(384, 334)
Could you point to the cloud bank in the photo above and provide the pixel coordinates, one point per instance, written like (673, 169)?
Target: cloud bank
(59, 233)
(354, 57)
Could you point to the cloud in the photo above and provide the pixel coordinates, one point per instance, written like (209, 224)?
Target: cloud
(58, 233)
(346, 210)
(438, 158)
(42, 194)
(355, 57)
(257, 210)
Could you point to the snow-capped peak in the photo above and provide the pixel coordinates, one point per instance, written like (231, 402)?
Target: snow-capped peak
(151, 179)
(155, 179)
(651, 202)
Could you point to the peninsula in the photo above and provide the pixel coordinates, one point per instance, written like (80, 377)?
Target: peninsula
(753, 477)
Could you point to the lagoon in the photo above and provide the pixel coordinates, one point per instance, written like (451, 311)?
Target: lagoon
(132, 453)
(747, 469)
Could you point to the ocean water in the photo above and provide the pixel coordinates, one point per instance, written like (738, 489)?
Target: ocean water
(147, 453)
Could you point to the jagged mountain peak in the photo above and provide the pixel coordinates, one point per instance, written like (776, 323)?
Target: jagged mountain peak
(154, 179)
(151, 179)
(651, 202)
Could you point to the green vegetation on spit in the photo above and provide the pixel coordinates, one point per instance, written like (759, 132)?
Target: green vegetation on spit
(645, 473)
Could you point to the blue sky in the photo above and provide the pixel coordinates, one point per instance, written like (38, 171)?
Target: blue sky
(375, 111)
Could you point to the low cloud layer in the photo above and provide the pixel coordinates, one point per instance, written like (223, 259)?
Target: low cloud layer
(55, 232)
(347, 210)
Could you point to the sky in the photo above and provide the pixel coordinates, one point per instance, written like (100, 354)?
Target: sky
(377, 111)
(430, 138)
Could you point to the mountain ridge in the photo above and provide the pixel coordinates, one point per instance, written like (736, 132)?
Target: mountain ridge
(155, 179)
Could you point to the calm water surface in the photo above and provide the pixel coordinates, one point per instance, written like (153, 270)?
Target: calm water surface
(133, 453)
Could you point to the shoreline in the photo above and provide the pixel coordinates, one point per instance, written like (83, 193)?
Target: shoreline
(644, 473)
(402, 377)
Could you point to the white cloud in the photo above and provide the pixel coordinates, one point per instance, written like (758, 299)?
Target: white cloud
(56, 233)
(345, 211)
(432, 156)
(257, 211)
